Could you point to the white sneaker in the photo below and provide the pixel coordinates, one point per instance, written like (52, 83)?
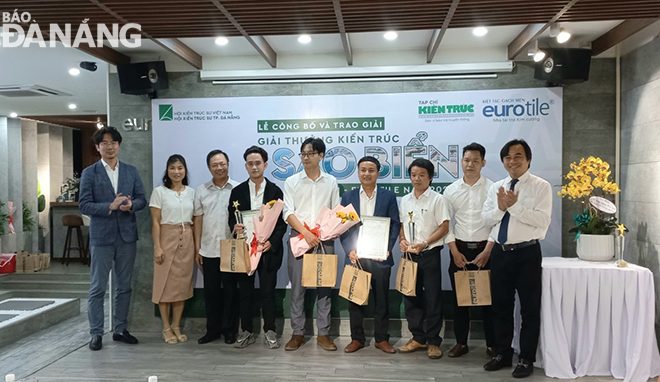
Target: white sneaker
(270, 339)
(244, 339)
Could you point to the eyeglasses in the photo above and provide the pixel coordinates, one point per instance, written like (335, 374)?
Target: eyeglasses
(308, 154)
(106, 143)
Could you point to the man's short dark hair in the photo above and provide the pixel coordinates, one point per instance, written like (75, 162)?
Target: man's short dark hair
(98, 135)
(474, 146)
(256, 150)
(425, 164)
(371, 160)
(317, 144)
(214, 153)
(505, 150)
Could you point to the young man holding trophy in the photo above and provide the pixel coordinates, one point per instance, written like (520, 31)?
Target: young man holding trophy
(468, 240)
(424, 224)
(250, 196)
(305, 194)
(372, 248)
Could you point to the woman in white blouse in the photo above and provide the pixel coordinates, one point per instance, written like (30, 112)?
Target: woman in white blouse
(174, 247)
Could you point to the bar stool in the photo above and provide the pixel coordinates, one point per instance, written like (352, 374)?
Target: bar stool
(73, 222)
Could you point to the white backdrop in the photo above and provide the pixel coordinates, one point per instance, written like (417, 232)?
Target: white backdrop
(395, 128)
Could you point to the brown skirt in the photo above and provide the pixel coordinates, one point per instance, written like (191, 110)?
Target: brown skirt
(173, 279)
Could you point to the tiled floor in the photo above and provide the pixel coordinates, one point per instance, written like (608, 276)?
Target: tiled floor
(61, 354)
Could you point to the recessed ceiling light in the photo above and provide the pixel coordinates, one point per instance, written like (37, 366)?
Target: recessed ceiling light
(304, 39)
(479, 31)
(540, 55)
(563, 36)
(390, 35)
(13, 115)
(72, 106)
(74, 71)
(221, 41)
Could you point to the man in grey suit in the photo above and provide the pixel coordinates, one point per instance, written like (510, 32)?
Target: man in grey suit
(111, 193)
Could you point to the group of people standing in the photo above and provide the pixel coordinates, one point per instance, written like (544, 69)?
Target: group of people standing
(486, 225)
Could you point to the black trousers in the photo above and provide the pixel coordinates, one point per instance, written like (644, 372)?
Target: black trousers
(380, 288)
(462, 313)
(427, 305)
(237, 293)
(518, 270)
(267, 284)
(212, 295)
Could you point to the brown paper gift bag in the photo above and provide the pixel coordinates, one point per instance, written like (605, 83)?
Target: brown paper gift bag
(45, 260)
(234, 256)
(473, 288)
(319, 270)
(406, 276)
(30, 264)
(20, 262)
(355, 284)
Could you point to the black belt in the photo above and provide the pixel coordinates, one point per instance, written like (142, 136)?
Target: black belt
(431, 251)
(472, 244)
(513, 247)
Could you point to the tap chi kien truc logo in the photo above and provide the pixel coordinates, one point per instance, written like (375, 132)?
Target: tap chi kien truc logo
(20, 30)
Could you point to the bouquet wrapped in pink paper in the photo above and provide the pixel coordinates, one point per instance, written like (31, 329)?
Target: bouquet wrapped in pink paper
(330, 223)
(263, 228)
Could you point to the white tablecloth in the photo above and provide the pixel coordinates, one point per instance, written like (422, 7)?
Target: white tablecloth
(597, 319)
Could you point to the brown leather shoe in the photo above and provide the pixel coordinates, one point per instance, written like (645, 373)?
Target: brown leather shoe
(326, 343)
(385, 346)
(411, 346)
(296, 341)
(458, 350)
(353, 346)
(491, 352)
(434, 352)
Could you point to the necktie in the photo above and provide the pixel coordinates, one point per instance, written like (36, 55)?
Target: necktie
(504, 226)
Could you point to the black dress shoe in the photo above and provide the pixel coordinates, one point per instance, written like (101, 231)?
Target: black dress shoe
(208, 338)
(230, 339)
(497, 363)
(125, 337)
(96, 343)
(524, 369)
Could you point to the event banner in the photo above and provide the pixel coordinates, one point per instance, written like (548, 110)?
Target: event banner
(394, 128)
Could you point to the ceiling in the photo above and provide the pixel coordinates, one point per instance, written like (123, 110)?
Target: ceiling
(183, 35)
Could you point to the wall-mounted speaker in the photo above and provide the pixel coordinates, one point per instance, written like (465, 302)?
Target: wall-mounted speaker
(564, 66)
(142, 78)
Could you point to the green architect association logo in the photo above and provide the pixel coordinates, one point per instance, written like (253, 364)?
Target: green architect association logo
(165, 112)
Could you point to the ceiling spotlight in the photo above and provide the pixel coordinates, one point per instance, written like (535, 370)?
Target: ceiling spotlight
(74, 71)
(479, 31)
(221, 41)
(563, 36)
(99, 125)
(540, 55)
(304, 39)
(72, 106)
(87, 65)
(13, 115)
(390, 35)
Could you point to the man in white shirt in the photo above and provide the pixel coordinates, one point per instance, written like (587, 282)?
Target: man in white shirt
(424, 241)
(210, 226)
(305, 193)
(519, 209)
(468, 240)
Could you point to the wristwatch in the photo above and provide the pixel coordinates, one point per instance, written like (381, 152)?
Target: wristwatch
(426, 245)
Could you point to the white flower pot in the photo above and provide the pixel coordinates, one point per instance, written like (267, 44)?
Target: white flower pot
(595, 247)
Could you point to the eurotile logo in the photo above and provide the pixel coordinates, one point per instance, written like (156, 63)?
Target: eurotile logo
(165, 112)
(15, 35)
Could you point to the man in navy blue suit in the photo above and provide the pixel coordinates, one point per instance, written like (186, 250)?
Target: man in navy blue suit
(369, 200)
(111, 193)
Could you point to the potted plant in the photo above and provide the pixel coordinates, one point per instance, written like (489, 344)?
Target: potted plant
(4, 219)
(590, 185)
(28, 226)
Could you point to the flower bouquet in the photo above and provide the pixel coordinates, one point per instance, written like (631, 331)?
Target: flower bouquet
(329, 224)
(264, 226)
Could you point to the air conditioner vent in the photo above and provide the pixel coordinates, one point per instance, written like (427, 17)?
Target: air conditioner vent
(29, 91)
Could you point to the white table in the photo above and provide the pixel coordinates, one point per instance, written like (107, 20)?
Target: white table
(598, 320)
